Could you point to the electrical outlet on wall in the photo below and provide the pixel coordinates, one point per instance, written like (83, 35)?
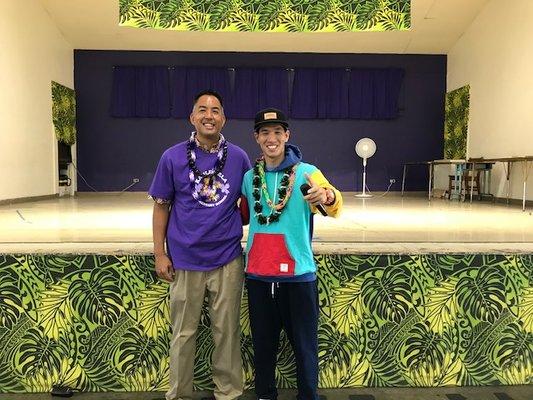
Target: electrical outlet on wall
(135, 180)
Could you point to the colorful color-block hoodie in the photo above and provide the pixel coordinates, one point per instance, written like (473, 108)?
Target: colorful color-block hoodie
(281, 251)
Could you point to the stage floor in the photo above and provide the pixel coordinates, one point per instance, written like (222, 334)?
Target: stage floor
(122, 222)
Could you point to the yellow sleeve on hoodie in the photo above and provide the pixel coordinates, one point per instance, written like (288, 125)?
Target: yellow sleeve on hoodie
(334, 209)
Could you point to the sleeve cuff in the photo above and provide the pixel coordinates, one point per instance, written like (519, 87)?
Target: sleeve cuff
(159, 200)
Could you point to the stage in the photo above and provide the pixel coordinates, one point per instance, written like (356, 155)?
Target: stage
(412, 294)
(118, 222)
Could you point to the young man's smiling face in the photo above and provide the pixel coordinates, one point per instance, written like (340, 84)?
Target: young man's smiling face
(272, 138)
(208, 118)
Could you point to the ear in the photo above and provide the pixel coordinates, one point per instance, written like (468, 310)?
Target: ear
(191, 118)
(256, 135)
(287, 135)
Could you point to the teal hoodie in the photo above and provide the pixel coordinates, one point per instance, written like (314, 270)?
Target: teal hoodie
(281, 251)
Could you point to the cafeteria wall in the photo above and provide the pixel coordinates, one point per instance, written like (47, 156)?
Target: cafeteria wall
(33, 53)
(494, 57)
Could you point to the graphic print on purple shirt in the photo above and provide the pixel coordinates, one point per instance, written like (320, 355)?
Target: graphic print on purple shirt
(201, 237)
(213, 189)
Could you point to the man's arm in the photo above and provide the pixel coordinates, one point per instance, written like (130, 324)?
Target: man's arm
(244, 210)
(163, 265)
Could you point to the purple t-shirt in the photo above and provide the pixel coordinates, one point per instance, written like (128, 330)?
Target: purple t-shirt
(201, 234)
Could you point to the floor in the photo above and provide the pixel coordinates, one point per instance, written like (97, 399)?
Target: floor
(105, 222)
(451, 393)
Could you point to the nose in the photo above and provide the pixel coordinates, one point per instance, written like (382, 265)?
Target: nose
(271, 136)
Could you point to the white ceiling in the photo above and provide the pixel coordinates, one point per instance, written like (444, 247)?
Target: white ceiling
(436, 26)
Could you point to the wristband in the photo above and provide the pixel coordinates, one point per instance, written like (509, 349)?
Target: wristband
(330, 197)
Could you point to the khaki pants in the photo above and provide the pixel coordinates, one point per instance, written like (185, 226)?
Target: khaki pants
(187, 293)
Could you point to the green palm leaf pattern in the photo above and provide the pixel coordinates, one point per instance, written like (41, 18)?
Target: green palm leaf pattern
(320, 16)
(457, 107)
(39, 359)
(170, 15)
(154, 312)
(269, 16)
(10, 301)
(525, 308)
(247, 360)
(347, 308)
(328, 278)
(64, 111)
(481, 293)
(204, 352)
(442, 306)
(387, 294)
(514, 354)
(335, 354)
(476, 373)
(384, 373)
(245, 22)
(56, 311)
(100, 322)
(222, 15)
(96, 297)
(424, 355)
(138, 359)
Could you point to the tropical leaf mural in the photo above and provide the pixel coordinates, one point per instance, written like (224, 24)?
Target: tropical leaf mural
(100, 323)
(64, 113)
(457, 109)
(267, 16)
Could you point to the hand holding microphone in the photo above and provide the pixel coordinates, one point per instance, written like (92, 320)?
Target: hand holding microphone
(314, 195)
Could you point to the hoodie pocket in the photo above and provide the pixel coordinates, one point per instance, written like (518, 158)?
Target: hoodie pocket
(269, 256)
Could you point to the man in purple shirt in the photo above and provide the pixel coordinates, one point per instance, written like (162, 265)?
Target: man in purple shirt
(195, 191)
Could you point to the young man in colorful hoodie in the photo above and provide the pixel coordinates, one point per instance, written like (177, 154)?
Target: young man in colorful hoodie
(280, 269)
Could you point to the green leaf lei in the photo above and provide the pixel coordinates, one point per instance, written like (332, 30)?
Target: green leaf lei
(284, 192)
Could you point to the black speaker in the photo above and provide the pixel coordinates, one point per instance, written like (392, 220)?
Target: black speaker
(64, 155)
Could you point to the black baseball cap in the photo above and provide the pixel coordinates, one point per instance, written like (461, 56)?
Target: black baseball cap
(270, 116)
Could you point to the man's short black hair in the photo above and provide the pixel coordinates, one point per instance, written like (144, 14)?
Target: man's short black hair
(209, 92)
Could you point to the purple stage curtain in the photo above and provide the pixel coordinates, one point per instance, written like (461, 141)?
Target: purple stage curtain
(332, 93)
(373, 93)
(304, 102)
(189, 81)
(140, 92)
(323, 93)
(258, 88)
(123, 92)
(320, 93)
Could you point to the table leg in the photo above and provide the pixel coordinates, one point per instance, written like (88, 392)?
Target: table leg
(472, 182)
(430, 183)
(403, 177)
(525, 170)
(508, 180)
(459, 178)
(488, 180)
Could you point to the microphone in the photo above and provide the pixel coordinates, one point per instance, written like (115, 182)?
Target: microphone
(304, 188)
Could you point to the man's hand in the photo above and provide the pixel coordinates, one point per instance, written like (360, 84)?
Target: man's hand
(315, 195)
(164, 268)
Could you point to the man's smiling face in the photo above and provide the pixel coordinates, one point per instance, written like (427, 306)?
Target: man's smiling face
(208, 118)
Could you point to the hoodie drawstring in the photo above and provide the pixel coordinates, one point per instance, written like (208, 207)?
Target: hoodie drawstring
(273, 288)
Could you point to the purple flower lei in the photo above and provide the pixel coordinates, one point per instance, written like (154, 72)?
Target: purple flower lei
(199, 191)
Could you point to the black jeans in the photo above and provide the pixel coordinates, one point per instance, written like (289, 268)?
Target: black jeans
(292, 306)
